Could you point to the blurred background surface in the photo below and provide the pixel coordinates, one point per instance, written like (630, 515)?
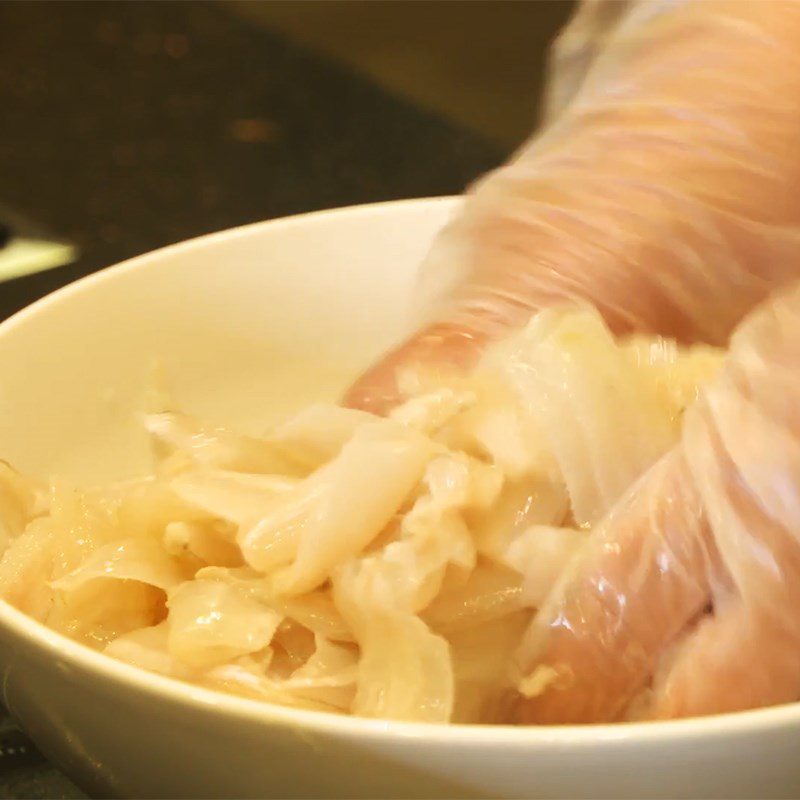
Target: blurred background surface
(128, 125)
(479, 64)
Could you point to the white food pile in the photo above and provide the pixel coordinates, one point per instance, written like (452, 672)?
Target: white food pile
(351, 563)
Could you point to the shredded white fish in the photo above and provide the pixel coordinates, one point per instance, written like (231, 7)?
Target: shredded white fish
(343, 562)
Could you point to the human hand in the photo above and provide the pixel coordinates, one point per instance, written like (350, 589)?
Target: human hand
(664, 194)
(687, 594)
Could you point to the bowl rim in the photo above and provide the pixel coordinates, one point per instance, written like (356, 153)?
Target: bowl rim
(59, 648)
(150, 259)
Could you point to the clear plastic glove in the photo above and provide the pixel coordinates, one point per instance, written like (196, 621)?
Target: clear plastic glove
(665, 193)
(686, 600)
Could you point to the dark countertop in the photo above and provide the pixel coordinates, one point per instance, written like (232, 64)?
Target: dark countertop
(128, 126)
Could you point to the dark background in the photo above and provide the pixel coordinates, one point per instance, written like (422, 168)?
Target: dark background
(128, 126)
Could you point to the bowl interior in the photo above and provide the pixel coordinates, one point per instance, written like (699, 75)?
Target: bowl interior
(247, 325)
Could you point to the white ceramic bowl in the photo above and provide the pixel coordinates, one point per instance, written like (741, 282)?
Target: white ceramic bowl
(249, 324)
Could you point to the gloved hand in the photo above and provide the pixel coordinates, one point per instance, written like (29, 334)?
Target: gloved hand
(664, 193)
(690, 588)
